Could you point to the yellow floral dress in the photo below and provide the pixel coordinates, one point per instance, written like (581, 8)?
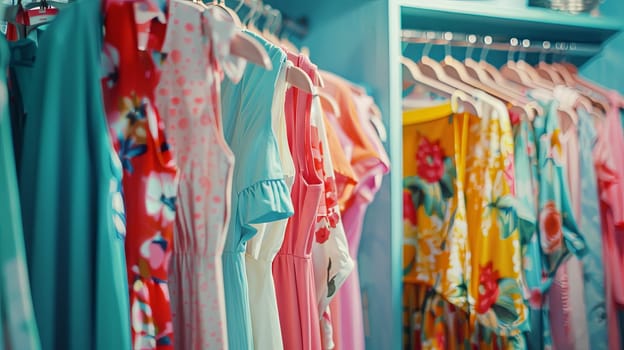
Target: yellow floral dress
(435, 235)
(495, 290)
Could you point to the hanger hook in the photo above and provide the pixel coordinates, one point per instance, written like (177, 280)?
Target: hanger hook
(448, 40)
(510, 54)
(278, 21)
(471, 39)
(239, 6)
(269, 19)
(251, 13)
(487, 41)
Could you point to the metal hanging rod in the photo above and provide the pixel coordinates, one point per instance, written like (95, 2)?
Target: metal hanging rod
(490, 43)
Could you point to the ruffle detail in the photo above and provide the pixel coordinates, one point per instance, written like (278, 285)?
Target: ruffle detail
(262, 202)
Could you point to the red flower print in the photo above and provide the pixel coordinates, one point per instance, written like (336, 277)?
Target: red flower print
(409, 212)
(322, 235)
(488, 288)
(430, 159)
(333, 217)
(550, 228)
(536, 299)
(514, 117)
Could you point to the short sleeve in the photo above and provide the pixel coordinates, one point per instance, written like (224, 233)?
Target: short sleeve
(258, 180)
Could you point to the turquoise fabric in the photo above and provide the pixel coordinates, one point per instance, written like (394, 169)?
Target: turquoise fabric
(69, 184)
(593, 270)
(17, 318)
(527, 183)
(259, 193)
(553, 191)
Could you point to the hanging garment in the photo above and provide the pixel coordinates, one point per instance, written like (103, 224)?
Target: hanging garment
(263, 247)
(559, 236)
(608, 171)
(197, 44)
(527, 189)
(593, 267)
(349, 296)
(292, 268)
(340, 149)
(330, 252)
(18, 329)
(363, 160)
(567, 304)
(259, 193)
(149, 175)
(73, 216)
(495, 285)
(23, 54)
(435, 234)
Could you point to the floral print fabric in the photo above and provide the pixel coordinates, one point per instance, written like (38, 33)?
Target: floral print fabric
(495, 290)
(149, 176)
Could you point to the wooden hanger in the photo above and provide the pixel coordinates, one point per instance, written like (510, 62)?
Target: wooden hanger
(330, 102)
(412, 74)
(296, 77)
(242, 45)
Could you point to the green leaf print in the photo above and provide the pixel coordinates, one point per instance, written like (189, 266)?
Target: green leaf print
(506, 215)
(448, 179)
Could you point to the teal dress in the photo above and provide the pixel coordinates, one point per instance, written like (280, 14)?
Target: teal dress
(69, 184)
(259, 193)
(18, 329)
(593, 269)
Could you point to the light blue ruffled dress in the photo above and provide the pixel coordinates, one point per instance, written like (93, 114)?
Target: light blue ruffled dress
(259, 193)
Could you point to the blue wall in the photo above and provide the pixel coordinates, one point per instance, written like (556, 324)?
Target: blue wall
(608, 68)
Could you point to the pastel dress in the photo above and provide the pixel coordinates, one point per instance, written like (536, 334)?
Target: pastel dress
(293, 270)
(347, 309)
(196, 44)
(18, 328)
(610, 173)
(70, 182)
(263, 247)
(149, 173)
(330, 251)
(593, 263)
(259, 193)
(567, 304)
(527, 191)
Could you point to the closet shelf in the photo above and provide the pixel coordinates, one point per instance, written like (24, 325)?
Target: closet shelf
(489, 18)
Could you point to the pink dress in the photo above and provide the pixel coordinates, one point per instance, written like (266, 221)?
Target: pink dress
(292, 268)
(370, 162)
(330, 252)
(610, 172)
(188, 94)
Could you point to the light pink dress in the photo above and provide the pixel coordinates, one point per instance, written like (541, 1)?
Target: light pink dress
(292, 268)
(188, 96)
(610, 172)
(348, 301)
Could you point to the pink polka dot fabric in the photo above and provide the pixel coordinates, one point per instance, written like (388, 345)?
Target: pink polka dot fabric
(188, 96)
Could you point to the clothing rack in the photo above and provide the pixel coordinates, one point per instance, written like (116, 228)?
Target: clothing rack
(279, 22)
(488, 42)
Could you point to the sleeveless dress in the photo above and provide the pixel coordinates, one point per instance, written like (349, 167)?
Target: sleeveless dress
(73, 216)
(18, 329)
(188, 94)
(149, 173)
(263, 247)
(292, 268)
(349, 296)
(259, 193)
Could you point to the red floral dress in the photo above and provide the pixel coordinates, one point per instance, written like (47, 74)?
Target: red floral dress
(149, 174)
